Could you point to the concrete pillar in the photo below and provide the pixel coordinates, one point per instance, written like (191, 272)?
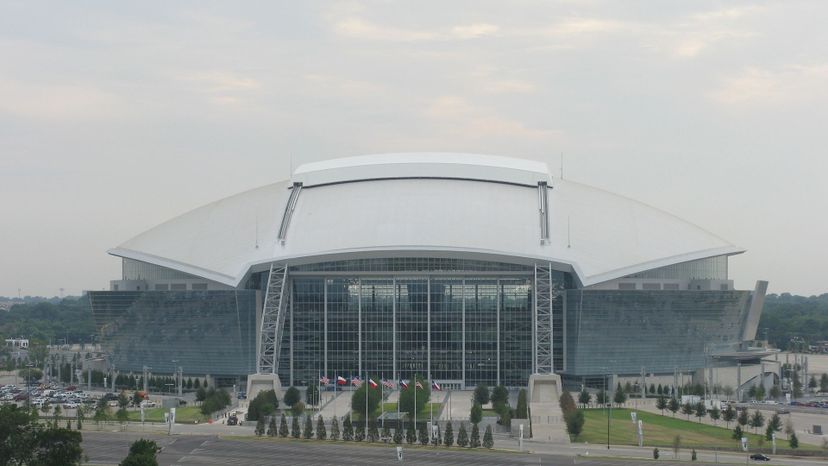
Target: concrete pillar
(739, 381)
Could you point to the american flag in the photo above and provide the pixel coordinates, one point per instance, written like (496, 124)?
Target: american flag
(324, 380)
(388, 384)
(356, 381)
(435, 386)
(418, 385)
(404, 384)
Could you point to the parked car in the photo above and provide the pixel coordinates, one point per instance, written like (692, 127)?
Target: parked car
(759, 457)
(232, 420)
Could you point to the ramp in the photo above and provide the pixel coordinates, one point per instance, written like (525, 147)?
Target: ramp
(545, 416)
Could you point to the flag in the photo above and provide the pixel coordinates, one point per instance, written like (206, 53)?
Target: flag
(435, 386)
(418, 385)
(341, 381)
(372, 383)
(356, 381)
(324, 380)
(388, 384)
(403, 384)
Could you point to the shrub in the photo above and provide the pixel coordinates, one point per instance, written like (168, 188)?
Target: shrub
(481, 394)
(488, 440)
(263, 405)
(474, 442)
(291, 396)
(462, 436)
(448, 437)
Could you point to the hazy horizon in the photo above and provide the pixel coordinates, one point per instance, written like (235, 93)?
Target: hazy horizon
(117, 117)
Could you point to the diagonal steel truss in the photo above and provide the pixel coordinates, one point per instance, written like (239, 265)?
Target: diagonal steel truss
(273, 319)
(543, 319)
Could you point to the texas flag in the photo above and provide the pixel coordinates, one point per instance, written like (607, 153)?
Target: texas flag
(372, 384)
(435, 386)
(341, 381)
(404, 384)
(418, 385)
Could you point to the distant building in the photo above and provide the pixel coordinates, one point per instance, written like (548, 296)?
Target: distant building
(465, 269)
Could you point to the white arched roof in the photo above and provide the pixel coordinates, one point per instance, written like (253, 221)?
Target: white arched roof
(424, 204)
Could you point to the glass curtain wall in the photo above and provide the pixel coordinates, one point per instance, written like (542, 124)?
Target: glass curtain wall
(396, 326)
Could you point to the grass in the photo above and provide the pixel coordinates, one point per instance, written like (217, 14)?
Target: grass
(659, 431)
(392, 407)
(183, 415)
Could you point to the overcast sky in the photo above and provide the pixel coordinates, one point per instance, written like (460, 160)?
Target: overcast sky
(117, 116)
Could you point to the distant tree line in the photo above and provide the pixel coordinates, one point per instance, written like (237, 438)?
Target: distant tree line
(791, 321)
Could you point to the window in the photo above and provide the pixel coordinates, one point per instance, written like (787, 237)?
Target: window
(671, 286)
(626, 286)
(723, 287)
(164, 287)
(178, 287)
(199, 286)
(651, 286)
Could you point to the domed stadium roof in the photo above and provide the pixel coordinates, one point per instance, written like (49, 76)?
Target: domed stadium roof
(424, 205)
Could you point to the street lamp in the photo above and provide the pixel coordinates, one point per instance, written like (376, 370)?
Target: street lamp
(29, 366)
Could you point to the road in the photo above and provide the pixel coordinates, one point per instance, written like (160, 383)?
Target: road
(110, 448)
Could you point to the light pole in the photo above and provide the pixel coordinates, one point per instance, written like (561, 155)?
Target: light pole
(28, 381)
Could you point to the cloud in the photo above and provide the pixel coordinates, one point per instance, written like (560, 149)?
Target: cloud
(220, 87)
(57, 101)
(359, 28)
(789, 84)
(467, 121)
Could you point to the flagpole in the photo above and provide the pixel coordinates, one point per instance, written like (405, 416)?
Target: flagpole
(367, 386)
(415, 402)
(382, 402)
(336, 382)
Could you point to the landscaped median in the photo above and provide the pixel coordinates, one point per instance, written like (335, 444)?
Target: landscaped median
(661, 431)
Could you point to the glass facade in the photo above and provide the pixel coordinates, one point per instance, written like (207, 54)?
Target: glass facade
(206, 332)
(712, 268)
(620, 332)
(447, 328)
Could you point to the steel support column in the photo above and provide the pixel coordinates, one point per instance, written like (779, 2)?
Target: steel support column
(273, 318)
(544, 362)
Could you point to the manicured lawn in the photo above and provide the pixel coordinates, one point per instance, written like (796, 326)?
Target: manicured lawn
(660, 430)
(183, 415)
(392, 407)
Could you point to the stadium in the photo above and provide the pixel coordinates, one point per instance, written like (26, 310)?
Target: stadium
(463, 268)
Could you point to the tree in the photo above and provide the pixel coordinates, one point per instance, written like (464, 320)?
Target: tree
(661, 403)
(448, 437)
(80, 413)
(823, 383)
(715, 414)
(298, 408)
(201, 394)
(373, 433)
(673, 406)
(56, 447)
(687, 409)
(652, 389)
(474, 441)
(312, 395)
(407, 397)
(398, 436)
(476, 414)
(620, 396)
(142, 452)
(308, 432)
(655, 453)
(601, 397)
(499, 395)
(660, 390)
(386, 432)
(295, 432)
(728, 415)
(737, 432)
(743, 419)
(574, 423)
(774, 425)
(462, 436)
(291, 396)
(521, 411)
(757, 420)
(728, 391)
(410, 434)
(488, 441)
(693, 456)
(775, 391)
(793, 441)
(335, 429)
(701, 410)
(423, 435)
(197, 383)
(260, 426)
(272, 430)
(321, 432)
(283, 428)
(123, 400)
(59, 410)
(122, 415)
(481, 394)
(812, 382)
(584, 398)
(760, 392)
(374, 400)
(567, 403)
(264, 404)
(347, 429)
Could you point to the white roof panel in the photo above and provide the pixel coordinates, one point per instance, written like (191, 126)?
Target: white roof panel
(411, 207)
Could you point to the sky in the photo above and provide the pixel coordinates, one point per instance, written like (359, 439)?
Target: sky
(117, 116)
